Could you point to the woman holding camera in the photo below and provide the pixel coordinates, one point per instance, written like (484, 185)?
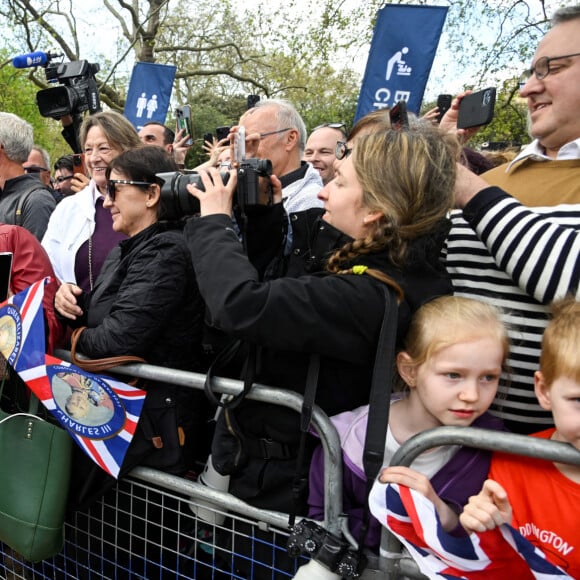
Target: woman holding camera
(145, 303)
(79, 235)
(383, 224)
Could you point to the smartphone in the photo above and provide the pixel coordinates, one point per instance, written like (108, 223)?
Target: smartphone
(399, 116)
(443, 104)
(5, 273)
(207, 138)
(476, 109)
(79, 163)
(222, 133)
(183, 116)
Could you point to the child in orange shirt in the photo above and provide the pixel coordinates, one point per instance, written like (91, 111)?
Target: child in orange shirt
(538, 498)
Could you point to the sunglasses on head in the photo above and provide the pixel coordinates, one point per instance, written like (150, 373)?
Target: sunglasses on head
(342, 151)
(340, 126)
(112, 186)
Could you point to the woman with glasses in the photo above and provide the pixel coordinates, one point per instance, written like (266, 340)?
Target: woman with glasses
(79, 235)
(145, 303)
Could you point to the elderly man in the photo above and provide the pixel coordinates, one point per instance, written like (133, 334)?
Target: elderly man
(24, 200)
(521, 259)
(275, 131)
(321, 148)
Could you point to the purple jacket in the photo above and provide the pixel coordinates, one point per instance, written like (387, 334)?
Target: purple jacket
(461, 477)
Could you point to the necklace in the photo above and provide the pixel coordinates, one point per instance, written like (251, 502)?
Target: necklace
(91, 262)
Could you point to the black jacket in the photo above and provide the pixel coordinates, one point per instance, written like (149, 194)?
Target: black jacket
(34, 199)
(146, 303)
(336, 316)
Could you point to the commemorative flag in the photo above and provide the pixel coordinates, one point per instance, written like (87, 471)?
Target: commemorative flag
(99, 412)
(22, 340)
(493, 555)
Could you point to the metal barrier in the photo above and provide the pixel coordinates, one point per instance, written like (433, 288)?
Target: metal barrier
(396, 565)
(145, 527)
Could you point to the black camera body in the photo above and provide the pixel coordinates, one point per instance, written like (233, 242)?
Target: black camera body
(177, 202)
(78, 92)
(310, 539)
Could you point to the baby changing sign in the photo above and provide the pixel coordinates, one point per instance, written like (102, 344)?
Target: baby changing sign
(404, 44)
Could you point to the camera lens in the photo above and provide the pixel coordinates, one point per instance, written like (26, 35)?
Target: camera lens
(176, 201)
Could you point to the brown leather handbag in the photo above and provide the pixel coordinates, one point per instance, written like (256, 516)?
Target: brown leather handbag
(98, 365)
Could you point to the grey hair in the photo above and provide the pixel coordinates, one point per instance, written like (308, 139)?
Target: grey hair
(287, 116)
(44, 153)
(16, 137)
(565, 14)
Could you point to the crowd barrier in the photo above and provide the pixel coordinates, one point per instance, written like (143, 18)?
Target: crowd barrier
(146, 528)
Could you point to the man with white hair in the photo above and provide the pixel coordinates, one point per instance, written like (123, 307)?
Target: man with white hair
(276, 131)
(24, 199)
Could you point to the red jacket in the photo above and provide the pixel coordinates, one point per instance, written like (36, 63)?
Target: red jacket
(30, 263)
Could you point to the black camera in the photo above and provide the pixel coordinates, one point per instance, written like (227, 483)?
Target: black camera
(177, 202)
(79, 91)
(310, 539)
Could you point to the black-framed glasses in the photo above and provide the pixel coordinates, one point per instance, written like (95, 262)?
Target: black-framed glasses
(341, 126)
(262, 135)
(63, 178)
(342, 151)
(35, 169)
(542, 67)
(112, 185)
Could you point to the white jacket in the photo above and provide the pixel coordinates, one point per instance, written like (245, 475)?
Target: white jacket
(71, 224)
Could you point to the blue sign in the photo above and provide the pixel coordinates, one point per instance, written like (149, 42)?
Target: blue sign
(149, 93)
(401, 55)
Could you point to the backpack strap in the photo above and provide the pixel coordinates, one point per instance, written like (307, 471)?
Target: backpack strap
(22, 200)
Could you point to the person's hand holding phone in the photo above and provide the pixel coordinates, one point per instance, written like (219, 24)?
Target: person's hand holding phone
(180, 147)
(80, 178)
(449, 120)
(79, 182)
(431, 115)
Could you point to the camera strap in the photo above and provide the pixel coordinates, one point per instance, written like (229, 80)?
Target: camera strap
(379, 403)
(299, 482)
(224, 357)
(22, 200)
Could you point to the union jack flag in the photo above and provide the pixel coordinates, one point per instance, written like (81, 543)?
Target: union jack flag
(22, 340)
(100, 413)
(493, 555)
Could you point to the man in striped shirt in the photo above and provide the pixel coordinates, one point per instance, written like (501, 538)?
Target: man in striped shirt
(520, 259)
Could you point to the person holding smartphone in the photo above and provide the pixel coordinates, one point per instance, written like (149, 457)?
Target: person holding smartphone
(522, 259)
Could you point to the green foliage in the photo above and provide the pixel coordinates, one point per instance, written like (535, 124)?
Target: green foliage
(311, 52)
